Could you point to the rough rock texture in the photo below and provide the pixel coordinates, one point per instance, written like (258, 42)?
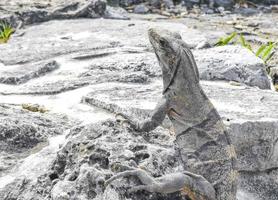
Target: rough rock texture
(141, 9)
(87, 159)
(21, 74)
(101, 49)
(233, 63)
(96, 34)
(21, 131)
(106, 66)
(227, 4)
(18, 15)
(115, 13)
(101, 39)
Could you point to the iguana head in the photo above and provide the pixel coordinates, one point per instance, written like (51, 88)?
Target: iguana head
(172, 53)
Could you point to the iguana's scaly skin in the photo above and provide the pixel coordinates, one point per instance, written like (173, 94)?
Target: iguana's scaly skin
(202, 142)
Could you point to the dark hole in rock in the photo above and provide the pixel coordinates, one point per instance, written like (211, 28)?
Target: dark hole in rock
(101, 159)
(91, 147)
(91, 193)
(275, 79)
(141, 156)
(53, 176)
(139, 148)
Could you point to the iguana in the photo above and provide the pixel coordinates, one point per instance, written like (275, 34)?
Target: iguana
(202, 141)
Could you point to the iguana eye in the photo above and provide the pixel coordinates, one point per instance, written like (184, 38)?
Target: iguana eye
(162, 42)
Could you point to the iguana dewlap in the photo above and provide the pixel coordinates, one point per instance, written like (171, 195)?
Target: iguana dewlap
(202, 141)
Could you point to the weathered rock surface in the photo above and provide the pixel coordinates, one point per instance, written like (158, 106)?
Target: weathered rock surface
(115, 13)
(102, 39)
(228, 4)
(101, 49)
(21, 74)
(87, 159)
(20, 14)
(97, 35)
(233, 63)
(21, 131)
(106, 66)
(141, 9)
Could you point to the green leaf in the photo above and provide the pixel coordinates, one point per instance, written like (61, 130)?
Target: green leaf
(229, 38)
(224, 41)
(267, 51)
(242, 40)
(5, 32)
(260, 50)
(269, 57)
(219, 43)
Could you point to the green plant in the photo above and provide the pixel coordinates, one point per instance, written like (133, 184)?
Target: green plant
(225, 40)
(269, 51)
(265, 51)
(5, 32)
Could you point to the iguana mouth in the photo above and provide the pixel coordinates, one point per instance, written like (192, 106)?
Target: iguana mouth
(155, 39)
(153, 34)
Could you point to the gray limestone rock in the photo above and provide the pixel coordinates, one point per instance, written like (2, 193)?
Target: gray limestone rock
(89, 158)
(168, 3)
(247, 11)
(190, 3)
(21, 129)
(23, 73)
(86, 37)
(115, 13)
(232, 63)
(67, 10)
(22, 132)
(141, 9)
(106, 67)
(227, 4)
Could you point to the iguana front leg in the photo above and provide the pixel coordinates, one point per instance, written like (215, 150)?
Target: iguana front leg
(154, 121)
(192, 185)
